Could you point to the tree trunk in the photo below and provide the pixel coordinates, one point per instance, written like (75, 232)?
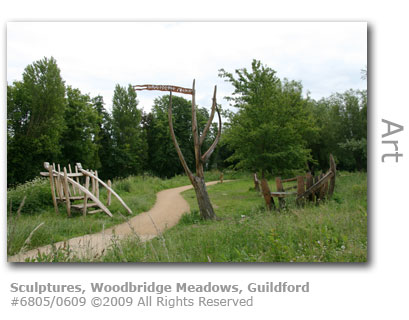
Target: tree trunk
(205, 206)
(203, 200)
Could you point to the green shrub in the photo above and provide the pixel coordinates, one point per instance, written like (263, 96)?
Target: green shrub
(37, 193)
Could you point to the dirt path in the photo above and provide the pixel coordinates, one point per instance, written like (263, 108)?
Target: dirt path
(166, 212)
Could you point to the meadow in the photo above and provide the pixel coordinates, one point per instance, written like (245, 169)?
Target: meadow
(30, 205)
(334, 231)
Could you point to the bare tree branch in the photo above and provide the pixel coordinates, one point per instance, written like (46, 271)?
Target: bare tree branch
(209, 122)
(172, 133)
(209, 152)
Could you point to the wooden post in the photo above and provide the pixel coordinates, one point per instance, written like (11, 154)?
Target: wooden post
(67, 192)
(57, 184)
(333, 168)
(84, 210)
(61, 183)
(96, 185)
(300, 189)
(280, 188)
(50, 171)
(319, 193)
(221, 177)
(108, 193)
(323, 190)
(267, 195)
(310, 182)
(57, 187)
(74, 191)
(93, 183)
(78, 180)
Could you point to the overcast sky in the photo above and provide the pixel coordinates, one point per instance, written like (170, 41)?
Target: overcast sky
(94, 56)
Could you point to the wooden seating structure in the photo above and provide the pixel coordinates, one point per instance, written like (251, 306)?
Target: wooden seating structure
(308, 188)
(66, 186)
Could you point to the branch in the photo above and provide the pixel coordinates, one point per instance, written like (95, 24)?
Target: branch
(172, 133)
(209, 122)
(209, 152)
(195, 132)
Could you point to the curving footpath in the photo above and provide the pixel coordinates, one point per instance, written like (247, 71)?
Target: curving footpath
(168, 209)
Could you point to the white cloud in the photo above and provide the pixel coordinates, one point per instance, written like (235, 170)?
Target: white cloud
(94, 56)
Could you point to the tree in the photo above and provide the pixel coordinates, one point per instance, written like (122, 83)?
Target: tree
(163, 158)
(35, 118)
(78, 141)
(342, 125)
(270, 129)
(130, 149)
(104, 139)
(205, 206)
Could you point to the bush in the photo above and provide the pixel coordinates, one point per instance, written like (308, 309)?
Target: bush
(37, 193)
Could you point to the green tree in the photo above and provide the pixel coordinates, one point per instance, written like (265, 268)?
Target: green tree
(348, 121)
(163, 158)
(269, 132)
(104, 139)
(78, 141)
(130, 147)
(35, 120)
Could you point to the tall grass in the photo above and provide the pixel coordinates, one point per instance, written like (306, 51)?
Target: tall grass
(138, 192)
(334, 231)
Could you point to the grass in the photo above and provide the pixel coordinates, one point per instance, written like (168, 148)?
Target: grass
(334, 231)
(138, 192)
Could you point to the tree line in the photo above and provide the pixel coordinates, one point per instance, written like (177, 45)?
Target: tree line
(274, 130)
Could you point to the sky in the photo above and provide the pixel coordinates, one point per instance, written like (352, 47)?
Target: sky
(327, 57)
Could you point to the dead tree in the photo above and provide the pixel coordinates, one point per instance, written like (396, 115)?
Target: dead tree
(197, 180)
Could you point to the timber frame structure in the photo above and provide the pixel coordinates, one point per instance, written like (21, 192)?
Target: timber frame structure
(313, 189)
(66, 186)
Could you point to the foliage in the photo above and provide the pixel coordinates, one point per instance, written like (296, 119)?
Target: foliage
(342, 124)
(35, 120)
(129, 143)
(270, 128)
(36, 194)
(163, 159)
(104, 139)
(274, 128)
(78, 139)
